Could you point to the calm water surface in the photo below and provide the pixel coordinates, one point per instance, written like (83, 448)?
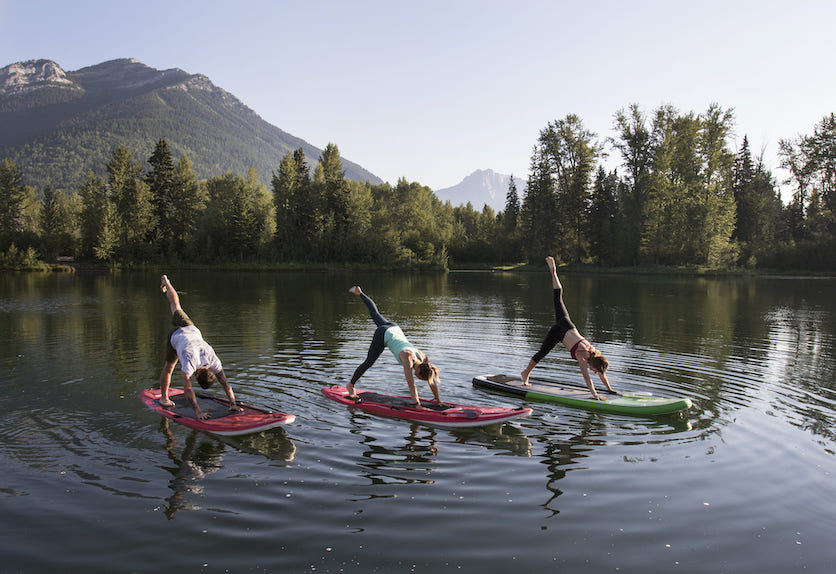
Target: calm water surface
(743, 482)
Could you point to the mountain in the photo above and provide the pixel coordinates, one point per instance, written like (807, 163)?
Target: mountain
(483, 186)
(59, 125)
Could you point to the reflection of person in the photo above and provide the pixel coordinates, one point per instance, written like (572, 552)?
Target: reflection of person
(196, 357)
(389, 335)
(564, 331)
(199, 458)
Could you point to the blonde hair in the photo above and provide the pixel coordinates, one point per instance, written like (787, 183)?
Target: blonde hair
(427, 371)
(598, 361)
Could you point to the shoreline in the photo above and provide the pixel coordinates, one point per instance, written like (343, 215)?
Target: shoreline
(682, 271)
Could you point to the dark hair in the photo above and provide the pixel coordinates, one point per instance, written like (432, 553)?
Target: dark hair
(598, 361)
(204, 377)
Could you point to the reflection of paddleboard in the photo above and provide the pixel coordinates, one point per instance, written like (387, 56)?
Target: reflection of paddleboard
(222, 422)
(448, 415)
(579, 396)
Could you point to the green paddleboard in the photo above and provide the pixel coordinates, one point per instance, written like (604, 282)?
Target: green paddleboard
(579, 396)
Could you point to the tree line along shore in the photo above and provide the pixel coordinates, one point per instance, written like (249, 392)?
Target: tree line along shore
(680, 199)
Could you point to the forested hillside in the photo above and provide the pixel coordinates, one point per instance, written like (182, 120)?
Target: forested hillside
(57, 126)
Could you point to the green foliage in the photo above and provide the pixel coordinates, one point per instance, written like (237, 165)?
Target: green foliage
(12, 198)
(812, 162)
(96, 218)
(556, 208)
(14, 258)
(684, 199)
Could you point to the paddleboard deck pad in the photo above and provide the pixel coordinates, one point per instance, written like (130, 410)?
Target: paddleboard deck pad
(222, 421)
(580, 397)
(448, 415)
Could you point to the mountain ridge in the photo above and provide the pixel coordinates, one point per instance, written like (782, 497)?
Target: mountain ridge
(60, 125)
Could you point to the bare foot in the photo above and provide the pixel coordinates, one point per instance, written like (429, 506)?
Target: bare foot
(524, 379)
(355, 290)
(351, 394)
(166, 403)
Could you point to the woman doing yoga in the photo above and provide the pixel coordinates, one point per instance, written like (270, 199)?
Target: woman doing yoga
(564, 331)
(389, 335)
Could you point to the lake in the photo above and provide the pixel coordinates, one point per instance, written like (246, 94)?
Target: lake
(745, 481)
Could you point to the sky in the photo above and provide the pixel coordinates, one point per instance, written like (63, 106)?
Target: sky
(432, 90)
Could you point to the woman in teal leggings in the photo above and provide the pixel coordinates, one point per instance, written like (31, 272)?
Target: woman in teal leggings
(389, 335)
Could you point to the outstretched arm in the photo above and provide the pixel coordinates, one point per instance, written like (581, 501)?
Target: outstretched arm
(585, 372)
(233, 406)
(410, 380)
(603, 377)
(171, 293)
(190, 397)
(433, 382)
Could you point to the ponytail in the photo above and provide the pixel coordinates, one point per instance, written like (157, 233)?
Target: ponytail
(427, 371)
(598, 361)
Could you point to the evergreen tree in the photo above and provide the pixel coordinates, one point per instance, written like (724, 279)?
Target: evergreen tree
(360, 207)
(759, 207)
(160, 183)
(742, 185)
(263, 212)
(333, 191)
(12, 199)
(98, 232)
(49, 224)
(284, 183)
(603, 217)
(108, 238)
(512, 207)
(538, 213)
(297, 216)
(188, 201)
(635, 143)
(57, 224)
(134, 217)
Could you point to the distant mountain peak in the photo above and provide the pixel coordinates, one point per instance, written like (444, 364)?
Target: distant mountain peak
(32, 75)
(480, 188)
(126, 74)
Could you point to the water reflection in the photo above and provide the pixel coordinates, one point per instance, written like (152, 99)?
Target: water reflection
(201, 454)
(198, 456)
(505, 438)
(414, 457)
(755, 355)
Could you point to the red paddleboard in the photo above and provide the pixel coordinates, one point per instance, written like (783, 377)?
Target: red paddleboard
(448, 415)
(222, 421)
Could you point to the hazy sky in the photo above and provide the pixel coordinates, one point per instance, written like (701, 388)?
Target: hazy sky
(433, 90)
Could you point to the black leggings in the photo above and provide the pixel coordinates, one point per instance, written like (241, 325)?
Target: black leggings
(563, 324)
(377, 346)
